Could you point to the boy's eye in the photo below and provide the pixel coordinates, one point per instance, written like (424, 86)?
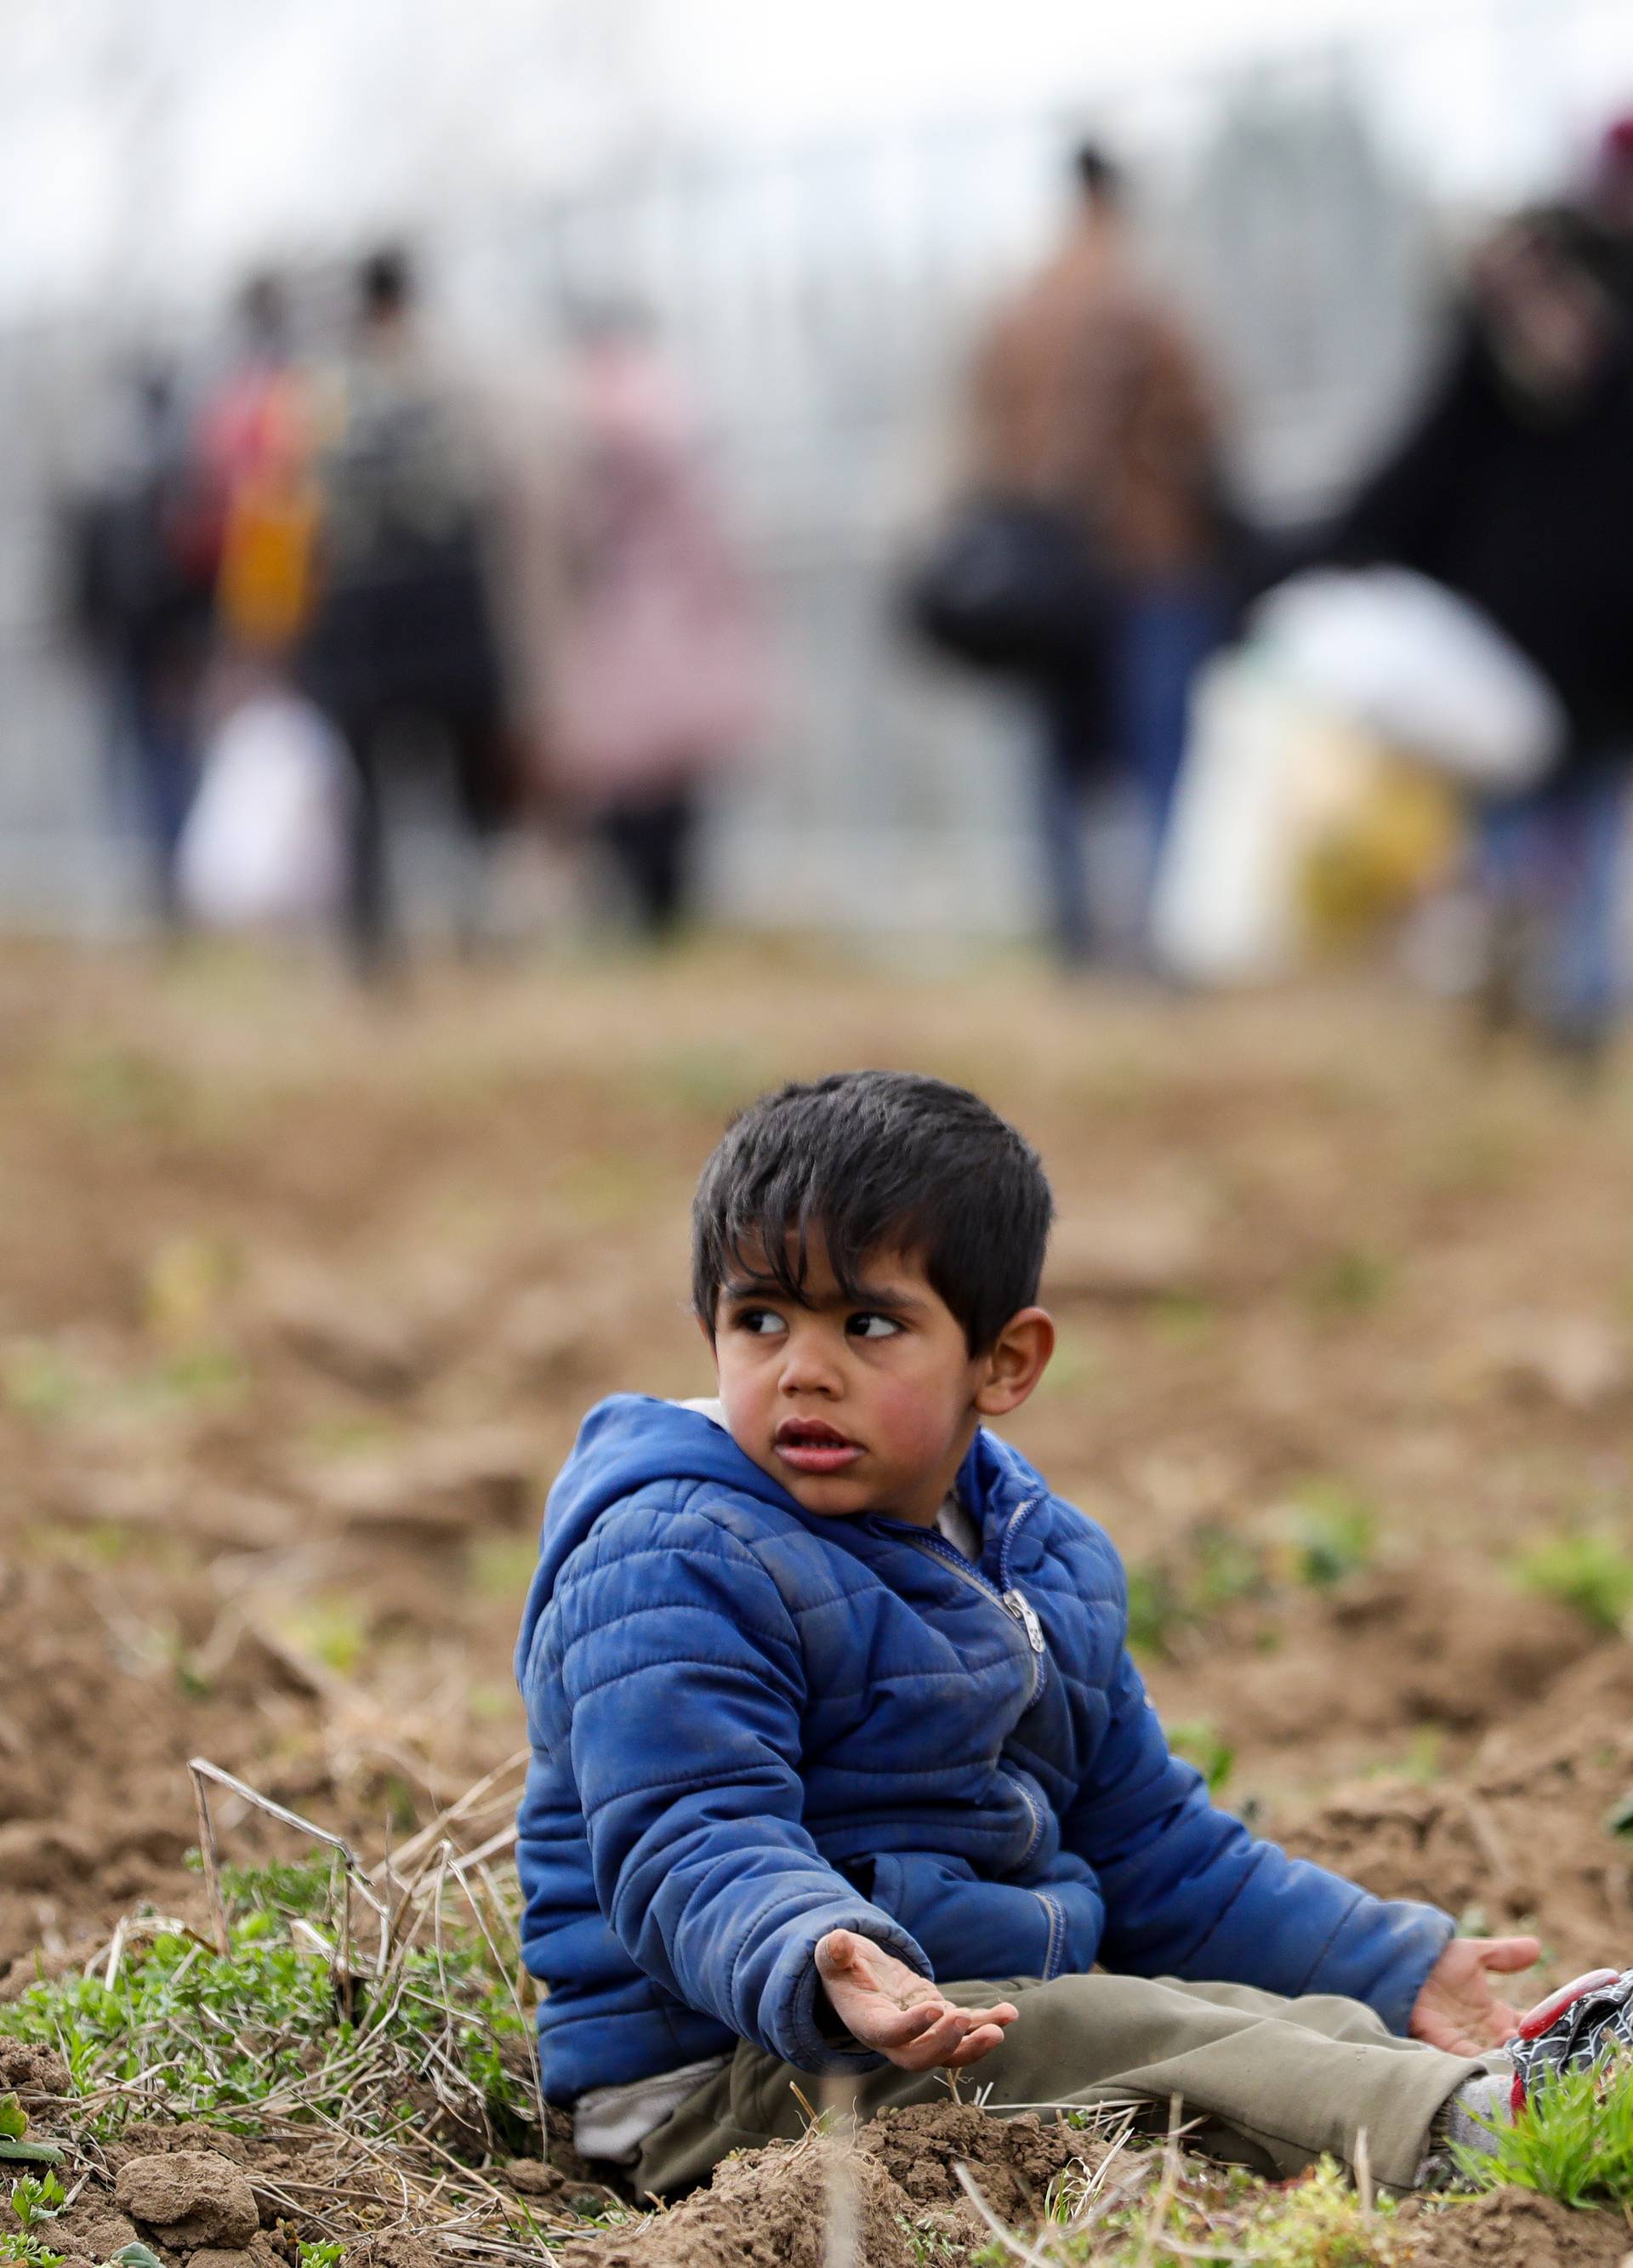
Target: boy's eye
(872, 1327)
(761, 1322)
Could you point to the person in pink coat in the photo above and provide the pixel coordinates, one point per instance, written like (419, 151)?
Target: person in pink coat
(658, 677)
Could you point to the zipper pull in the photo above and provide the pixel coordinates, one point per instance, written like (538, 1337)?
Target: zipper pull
(1016, 1604)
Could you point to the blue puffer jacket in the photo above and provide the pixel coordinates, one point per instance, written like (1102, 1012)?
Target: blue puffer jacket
(751, 1725)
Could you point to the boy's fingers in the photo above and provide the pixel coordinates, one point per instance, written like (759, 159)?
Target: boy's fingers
(975, 2044)
(901, 2026)
(836, 1953)
(938, 2045)
(1005, 2013)
(1507, 1953)
(883, 2023)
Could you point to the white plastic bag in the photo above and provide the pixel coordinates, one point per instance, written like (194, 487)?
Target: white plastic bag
(1223, 903)
(1293, 828)
(1397, 655)
(265, 842)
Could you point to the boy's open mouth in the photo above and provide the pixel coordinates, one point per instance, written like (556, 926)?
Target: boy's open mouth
(811, 1445)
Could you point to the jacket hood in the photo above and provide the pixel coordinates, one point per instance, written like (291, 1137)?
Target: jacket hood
(623, 1445)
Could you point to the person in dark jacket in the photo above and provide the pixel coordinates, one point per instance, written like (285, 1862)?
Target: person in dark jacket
(1088, 395)
(1514, 487)
(831, 1704)
(142, 570)
(404, 634)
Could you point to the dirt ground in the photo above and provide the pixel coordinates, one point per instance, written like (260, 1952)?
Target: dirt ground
(302, 1298)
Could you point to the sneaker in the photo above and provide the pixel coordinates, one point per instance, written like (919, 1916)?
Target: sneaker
(1584, 2023)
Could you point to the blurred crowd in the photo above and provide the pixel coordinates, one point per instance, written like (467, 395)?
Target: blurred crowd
(1100, 557)
(313, 580)
(311, 576)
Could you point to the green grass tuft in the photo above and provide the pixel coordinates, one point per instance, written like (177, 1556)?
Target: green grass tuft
(1329, 1533)
(1573, 2141)
(22, 2246)
(36, 2198)
(1321, 2223)
(1156, 1609)
(33, 2202)
(1351, 1282)
(1208, 2217)
(264, 2032)
(1587, 1569)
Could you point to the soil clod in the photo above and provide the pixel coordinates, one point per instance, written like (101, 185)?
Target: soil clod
(28, 2070)
(1513, 2226)
(1013, 2160)
(190, 2199)
(767, 2209)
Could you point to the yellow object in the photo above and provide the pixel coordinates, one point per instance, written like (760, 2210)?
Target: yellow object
(1390, 836)
(264, 591)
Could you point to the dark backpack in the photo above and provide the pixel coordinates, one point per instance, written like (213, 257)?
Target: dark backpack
(402, 617)
(401, 497)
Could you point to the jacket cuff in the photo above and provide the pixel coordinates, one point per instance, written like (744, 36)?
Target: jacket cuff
(1426, 1933)
(791, 2016)
(1381, 1953)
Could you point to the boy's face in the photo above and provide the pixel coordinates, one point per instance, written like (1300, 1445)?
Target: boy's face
(865, 1405)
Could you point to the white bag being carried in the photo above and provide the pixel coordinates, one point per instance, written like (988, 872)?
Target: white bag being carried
(1291, 829)
(265, 842)
(1342, 672)
(1396, 655)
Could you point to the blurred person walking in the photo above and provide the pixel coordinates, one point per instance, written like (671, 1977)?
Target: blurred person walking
(142, 568)
(656, 676)
(256, 436)
(1090, 397)
(403, 638)
(1513, 486)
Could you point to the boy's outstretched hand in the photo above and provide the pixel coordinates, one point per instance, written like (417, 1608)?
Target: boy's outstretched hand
(1457, 2009)
(891, 2008)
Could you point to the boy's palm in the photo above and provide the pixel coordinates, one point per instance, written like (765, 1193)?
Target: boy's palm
(890, 2007)
(1458, 2010)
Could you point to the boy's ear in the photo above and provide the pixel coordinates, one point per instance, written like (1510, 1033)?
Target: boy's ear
(1015, 1360)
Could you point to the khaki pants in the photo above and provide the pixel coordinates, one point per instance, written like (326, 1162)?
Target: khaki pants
(1271, 2083)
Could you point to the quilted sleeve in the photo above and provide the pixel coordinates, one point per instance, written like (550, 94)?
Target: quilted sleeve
(1190, 1893)
(682, 1676)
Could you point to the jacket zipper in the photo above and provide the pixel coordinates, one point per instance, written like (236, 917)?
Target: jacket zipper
(1021, 1511)
(1020, 1608)
(1014, 1602)
(1057, 1931)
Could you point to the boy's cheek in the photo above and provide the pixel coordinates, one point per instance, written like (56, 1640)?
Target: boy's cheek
(909, 1423)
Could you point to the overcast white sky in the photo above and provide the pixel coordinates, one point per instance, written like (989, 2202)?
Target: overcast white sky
(183, 137)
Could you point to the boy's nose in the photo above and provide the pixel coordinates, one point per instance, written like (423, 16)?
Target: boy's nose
(808, 1368)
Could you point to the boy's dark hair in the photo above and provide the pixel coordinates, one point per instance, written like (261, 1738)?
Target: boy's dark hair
(871, 1159)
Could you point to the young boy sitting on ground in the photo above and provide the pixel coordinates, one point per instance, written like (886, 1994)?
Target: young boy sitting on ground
(832, 1711)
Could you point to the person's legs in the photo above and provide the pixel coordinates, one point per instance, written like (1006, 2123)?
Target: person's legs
(1168, 631)
(1550, 869)
(484, 797)
(370, 925)
(1580, 981)
(1271, 2083)
(1504, 862)
(651, 840)
(154, 720)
